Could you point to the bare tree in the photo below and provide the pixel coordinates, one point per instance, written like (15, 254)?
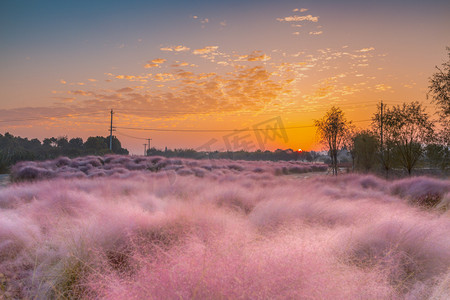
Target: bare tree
(332, 130)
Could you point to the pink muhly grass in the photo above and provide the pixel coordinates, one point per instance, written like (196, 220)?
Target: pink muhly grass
(219, 232)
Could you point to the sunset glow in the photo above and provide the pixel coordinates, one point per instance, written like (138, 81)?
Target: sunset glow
(188, 74)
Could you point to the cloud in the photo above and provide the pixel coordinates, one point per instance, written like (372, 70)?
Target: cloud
(300, 9)
(254, 56)
(202, 20)
(125, 90)
(233, 83)
(205, 50)
(155, 63)
(62, 81)
(179, 48)
(92, 80)
(80, 93)
(65, 99)
(366, 49)
(150, 65)
(159, 61)
(258, 56)
(383, 87)
(315, 32)
(178, 64)
(298, 18)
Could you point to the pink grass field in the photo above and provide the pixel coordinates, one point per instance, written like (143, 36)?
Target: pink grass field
(156, 228)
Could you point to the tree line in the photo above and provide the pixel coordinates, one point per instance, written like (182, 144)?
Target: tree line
(14, 148)
(279, 154)
(400, 136)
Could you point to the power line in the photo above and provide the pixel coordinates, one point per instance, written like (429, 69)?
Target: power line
(220, 130)
(68, 115)
(130, 136)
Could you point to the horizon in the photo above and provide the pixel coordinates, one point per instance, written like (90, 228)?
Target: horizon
(197, 71)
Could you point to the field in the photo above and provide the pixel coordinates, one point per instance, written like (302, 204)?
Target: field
(156, 228)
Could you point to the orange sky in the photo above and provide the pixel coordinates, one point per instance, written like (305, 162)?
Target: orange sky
(259, 65)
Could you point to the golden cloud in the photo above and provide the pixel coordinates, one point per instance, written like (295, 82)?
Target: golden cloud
(205, 50)
(178, 48)
(159, 60)
(258, 56)
(298, 19)
(366, 49)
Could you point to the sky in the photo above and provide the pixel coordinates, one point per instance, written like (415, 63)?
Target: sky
(211, 75)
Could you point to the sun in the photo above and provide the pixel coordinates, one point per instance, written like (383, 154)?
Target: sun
(299, 150)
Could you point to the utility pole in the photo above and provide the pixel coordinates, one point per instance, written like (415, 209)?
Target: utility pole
(111, 131)
(149, 143)
(381, 126)
(145, 149)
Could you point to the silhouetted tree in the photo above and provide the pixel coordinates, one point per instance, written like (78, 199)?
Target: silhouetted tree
(365, 149)
(439, 89)
(407, 128)
(332, 129)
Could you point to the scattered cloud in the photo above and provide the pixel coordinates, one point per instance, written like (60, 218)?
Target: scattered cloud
(205, 50)
(179, 48)
(155, 63)
(125, 90)
(159, 60)
(92, 80)
(315, 32)
(254, 56)
(383, 87)
(300, 10)
(62, 81)
(234, 83)
(298, 19)
(366, 49)
(203, 21)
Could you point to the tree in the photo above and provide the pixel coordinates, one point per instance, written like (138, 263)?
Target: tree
(381, 122)
(332, 130)
(439, 89)
(407, 129)
(365, 149)
(438, 156)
